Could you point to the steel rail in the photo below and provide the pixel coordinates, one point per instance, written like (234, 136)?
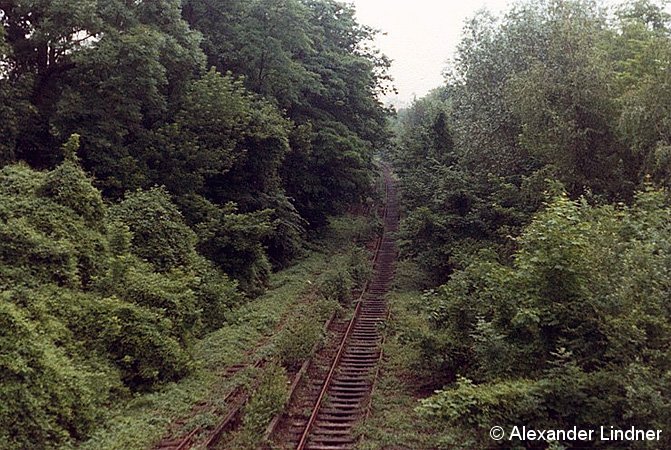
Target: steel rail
(303, 442)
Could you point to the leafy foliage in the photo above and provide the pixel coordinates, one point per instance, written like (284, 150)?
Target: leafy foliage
(313, 60)
(277, 134)
(452, 212)
(47, 397)
(523, 334)
(296, 342)
(69, 186)
(531, 182)
(178, 188)
(87, 320)
(234, 242)
(160, 235)
(268, 399)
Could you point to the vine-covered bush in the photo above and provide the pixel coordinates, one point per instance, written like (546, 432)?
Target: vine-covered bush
(68, 185)
(159, 233)
(48, 398)
(84, 318)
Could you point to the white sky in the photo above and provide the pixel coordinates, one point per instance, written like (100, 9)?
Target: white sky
(421, 35)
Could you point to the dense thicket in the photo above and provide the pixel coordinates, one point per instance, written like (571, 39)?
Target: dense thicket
(572, 333)
(315, 62)
(93, 305)
(203, 140)
(534, 183)
(285, 120)
(551, 90)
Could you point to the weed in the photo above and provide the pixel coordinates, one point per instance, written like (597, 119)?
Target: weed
(268, 398)
(296, 341)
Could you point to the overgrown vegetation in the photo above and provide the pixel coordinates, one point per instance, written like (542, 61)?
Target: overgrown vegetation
(252, 330)
(403, 379)
(86, 319)
(572, 334)
(258, 133)
(268, 399)
(153, 176)
(335, 286)
(99, 302)
(159, 160)
(535, 188)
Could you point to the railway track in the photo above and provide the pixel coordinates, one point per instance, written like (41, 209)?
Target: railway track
(342, 373)
(338, 393)
(235, 400)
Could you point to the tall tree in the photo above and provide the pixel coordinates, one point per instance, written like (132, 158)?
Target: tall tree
(315, 62)
(43, 37)
(564, 101)
(640, 47)
(141, 64)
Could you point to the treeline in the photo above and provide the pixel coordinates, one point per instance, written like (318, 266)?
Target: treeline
(535, 186)
(240, 106)
(160, 158)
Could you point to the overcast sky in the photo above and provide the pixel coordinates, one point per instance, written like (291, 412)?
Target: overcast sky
(420, 37)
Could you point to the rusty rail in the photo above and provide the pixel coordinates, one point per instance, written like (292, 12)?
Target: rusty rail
(345, 392)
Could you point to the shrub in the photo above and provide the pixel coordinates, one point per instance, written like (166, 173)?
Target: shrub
(216, 294)
(296, 341)
(47, 399)
(42, 240)
(160, 234)
(68, 185)
(233, 241)
(82, 318)
(140, 342)
(29, 254)
(168, 294)
(479, 407)
(574, 332)
(336, 285)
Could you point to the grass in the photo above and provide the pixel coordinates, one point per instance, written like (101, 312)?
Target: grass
(393, 423)
(267, 399)
(143, 420)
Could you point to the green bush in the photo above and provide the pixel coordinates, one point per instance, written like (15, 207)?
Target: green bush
(216, 294)
(139, 341)
(68, 185)
(295, 342)
(480, 407)
(573, 333)
(348, 272)
(359, 263)
(160, 234)
(360, 230)
(336, 284)
(169, 294)
(234, 242)
(47, 399)
(83, 319)
(26, 251)
(42, 240)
